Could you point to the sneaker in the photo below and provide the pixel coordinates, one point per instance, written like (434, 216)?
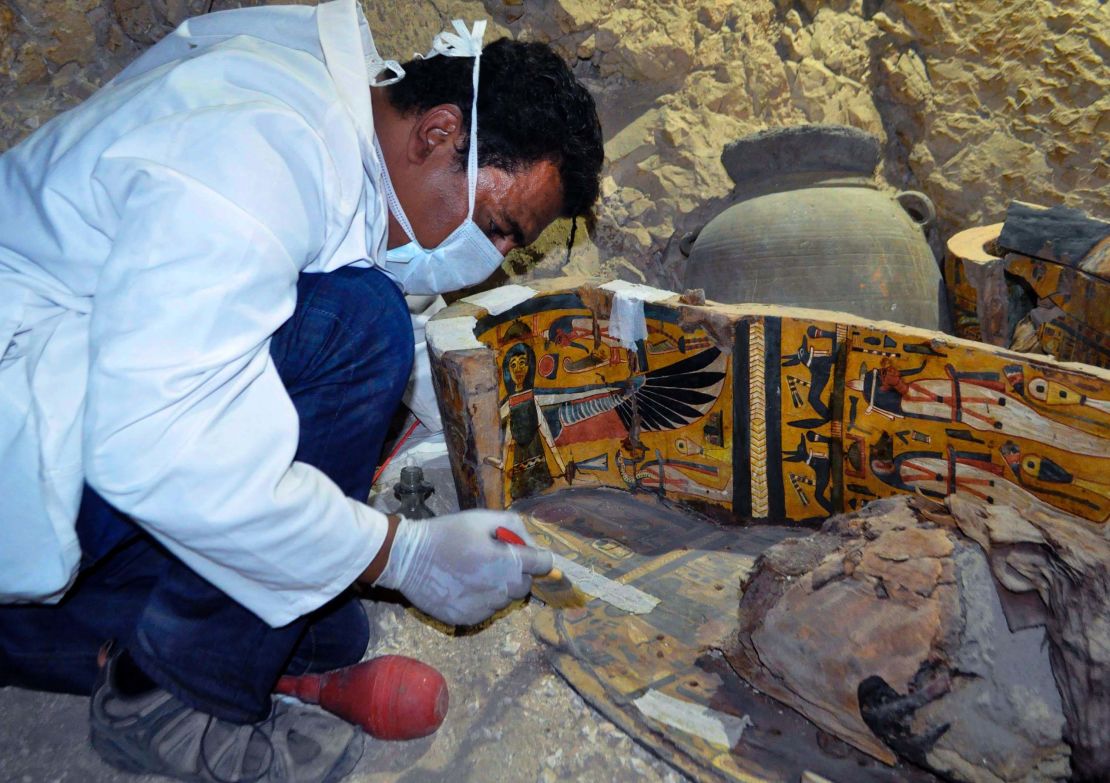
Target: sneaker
(156, 733)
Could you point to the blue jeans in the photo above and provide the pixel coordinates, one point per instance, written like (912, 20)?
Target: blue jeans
(344, 357)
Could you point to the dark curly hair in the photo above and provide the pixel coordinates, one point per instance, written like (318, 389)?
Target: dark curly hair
(530, 108)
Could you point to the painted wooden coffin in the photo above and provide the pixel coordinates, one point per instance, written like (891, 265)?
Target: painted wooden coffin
(1039, 282)
(755, 413)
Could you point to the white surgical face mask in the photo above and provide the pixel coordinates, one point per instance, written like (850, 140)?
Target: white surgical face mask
(466, 256)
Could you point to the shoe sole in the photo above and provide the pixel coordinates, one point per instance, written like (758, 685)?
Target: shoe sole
(115, 756)
(118, 758)
(349, 760)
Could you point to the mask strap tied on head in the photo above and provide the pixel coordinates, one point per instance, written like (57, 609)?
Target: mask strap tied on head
(466, 256)
(465, 44)
(376, 66)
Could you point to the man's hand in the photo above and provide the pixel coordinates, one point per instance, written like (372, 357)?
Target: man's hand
(454, 569)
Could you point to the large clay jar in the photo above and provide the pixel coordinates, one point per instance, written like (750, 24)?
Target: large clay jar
(811, 229)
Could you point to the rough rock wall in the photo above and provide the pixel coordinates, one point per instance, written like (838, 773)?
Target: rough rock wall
(55, 53)
(977, 102)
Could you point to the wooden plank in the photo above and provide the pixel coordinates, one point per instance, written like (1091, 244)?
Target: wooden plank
(467, 397)
(1066, 236)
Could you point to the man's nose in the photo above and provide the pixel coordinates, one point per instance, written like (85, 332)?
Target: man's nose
(504, 244)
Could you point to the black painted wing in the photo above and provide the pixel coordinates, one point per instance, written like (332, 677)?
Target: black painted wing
(675, 395)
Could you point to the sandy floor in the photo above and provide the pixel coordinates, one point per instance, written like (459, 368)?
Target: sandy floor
(511, 719)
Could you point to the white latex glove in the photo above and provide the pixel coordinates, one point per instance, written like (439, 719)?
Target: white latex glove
(453, 568)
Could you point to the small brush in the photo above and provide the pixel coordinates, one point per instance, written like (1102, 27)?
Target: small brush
(553, 588)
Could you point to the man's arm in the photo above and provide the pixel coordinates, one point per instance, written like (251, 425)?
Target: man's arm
(377, 565)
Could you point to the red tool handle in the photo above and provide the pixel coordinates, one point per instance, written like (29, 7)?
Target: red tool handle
(507, 536)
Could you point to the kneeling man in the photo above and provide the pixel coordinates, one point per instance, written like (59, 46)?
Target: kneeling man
(203, 337)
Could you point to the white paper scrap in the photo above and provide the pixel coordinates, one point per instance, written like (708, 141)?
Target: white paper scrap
(644, 293)
(452, 334)
(624, 597)
(626, 320)
(718, 728)
(498, 300)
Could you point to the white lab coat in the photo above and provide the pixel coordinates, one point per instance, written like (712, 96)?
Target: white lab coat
(150, 244)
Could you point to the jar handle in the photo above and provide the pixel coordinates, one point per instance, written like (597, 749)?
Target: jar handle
(686, 244)
(919, 206)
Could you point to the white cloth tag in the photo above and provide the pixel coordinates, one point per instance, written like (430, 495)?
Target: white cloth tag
(718, 728)
(625, 597)
(626, 321)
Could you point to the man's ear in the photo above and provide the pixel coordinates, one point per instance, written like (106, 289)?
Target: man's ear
(437, 131)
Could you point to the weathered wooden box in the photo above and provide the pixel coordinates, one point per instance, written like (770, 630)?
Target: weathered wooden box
(1039, 282)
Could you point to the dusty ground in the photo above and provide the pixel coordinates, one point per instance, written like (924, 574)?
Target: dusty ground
(511, 719)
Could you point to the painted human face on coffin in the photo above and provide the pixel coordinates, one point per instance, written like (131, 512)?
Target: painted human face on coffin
(518, 368)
